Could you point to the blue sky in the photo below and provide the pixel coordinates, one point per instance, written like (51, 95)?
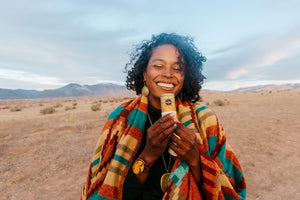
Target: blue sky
(48, 44)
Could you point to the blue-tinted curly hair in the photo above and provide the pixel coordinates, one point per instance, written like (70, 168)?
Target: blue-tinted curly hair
(189, 54)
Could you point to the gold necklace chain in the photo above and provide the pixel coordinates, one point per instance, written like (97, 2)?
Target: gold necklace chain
(163, 158)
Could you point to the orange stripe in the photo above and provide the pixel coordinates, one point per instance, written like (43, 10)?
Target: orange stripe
(231, 156)
(212, 131)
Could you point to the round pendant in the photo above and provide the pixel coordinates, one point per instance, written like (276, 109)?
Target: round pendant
(163, 181)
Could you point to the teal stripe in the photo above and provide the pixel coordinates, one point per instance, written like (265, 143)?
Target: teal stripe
(115, 113)
(242, 193)
(187, 123)
(96, 162)
(96, 196)
(137, 118)
(200, 109)
(212, 143)
(179, 173)
(121, 159)
(230, 169)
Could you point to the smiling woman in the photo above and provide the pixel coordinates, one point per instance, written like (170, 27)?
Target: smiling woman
(132, 160)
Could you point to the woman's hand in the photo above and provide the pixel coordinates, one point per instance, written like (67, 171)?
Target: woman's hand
(158, 136)
(186, 149)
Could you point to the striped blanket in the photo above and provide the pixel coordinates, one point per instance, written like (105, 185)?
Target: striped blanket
(120, 140)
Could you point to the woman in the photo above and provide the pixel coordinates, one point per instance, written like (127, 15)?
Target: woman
(132, 160)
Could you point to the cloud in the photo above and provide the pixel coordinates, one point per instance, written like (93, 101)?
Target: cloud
(257, 59)
(64, 40)
(29, 77)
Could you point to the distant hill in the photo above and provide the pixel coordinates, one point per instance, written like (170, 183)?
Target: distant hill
(70, 90)
(17, 94)
(260, 88)
(110, 90)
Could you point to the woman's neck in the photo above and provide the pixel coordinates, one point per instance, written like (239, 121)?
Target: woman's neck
(155, 102)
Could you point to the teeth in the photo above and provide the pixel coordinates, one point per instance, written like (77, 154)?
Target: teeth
(168, 85)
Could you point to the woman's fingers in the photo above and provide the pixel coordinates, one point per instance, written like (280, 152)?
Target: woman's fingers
(183, 141)
(167, 133)
(162, 120)
(162, 125)
(185, 133)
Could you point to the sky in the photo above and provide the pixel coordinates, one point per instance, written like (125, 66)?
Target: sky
(48, 44)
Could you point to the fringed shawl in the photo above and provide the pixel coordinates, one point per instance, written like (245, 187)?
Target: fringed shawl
(120, 139)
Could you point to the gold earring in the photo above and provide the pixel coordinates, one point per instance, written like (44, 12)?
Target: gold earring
(145, 90)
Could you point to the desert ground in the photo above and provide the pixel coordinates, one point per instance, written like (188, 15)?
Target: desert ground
(45, 153)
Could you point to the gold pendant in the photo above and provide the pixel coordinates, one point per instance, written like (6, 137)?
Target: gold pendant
(164, 180)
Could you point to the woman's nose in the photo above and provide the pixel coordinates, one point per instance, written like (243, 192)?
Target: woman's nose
(168, 72)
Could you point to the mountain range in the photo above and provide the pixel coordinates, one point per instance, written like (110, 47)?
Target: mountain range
(70, 90)
(109, 90)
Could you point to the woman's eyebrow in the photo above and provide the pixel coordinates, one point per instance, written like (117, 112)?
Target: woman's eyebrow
(158, 59)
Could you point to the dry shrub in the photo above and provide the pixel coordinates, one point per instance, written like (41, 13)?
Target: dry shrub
(57, 105)
(40, 104)
(15, 109)
(219, 102)
(69, 108)
(95, 102)
(105, 101)
(96, 107)
(48, 110)
(226, 101)
(112, 100)
(74, 103)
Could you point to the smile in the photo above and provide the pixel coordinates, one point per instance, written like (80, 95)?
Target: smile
(167, 85)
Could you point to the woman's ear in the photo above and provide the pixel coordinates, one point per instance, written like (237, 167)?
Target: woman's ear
(145, 75)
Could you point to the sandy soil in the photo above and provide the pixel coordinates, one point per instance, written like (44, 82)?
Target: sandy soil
(46, 156)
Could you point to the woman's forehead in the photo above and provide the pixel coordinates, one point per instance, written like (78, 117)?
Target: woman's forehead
(166, 51)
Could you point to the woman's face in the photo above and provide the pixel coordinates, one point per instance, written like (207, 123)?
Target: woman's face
(163, 74)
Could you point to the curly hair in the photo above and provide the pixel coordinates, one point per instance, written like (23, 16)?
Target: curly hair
(188, 53)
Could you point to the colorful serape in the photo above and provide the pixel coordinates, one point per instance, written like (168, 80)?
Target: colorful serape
(120, 140)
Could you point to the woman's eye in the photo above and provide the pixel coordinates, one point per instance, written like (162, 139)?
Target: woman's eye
(178, 68)
(158, 66)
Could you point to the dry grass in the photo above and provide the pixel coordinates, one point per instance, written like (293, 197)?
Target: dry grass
(42, 155)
